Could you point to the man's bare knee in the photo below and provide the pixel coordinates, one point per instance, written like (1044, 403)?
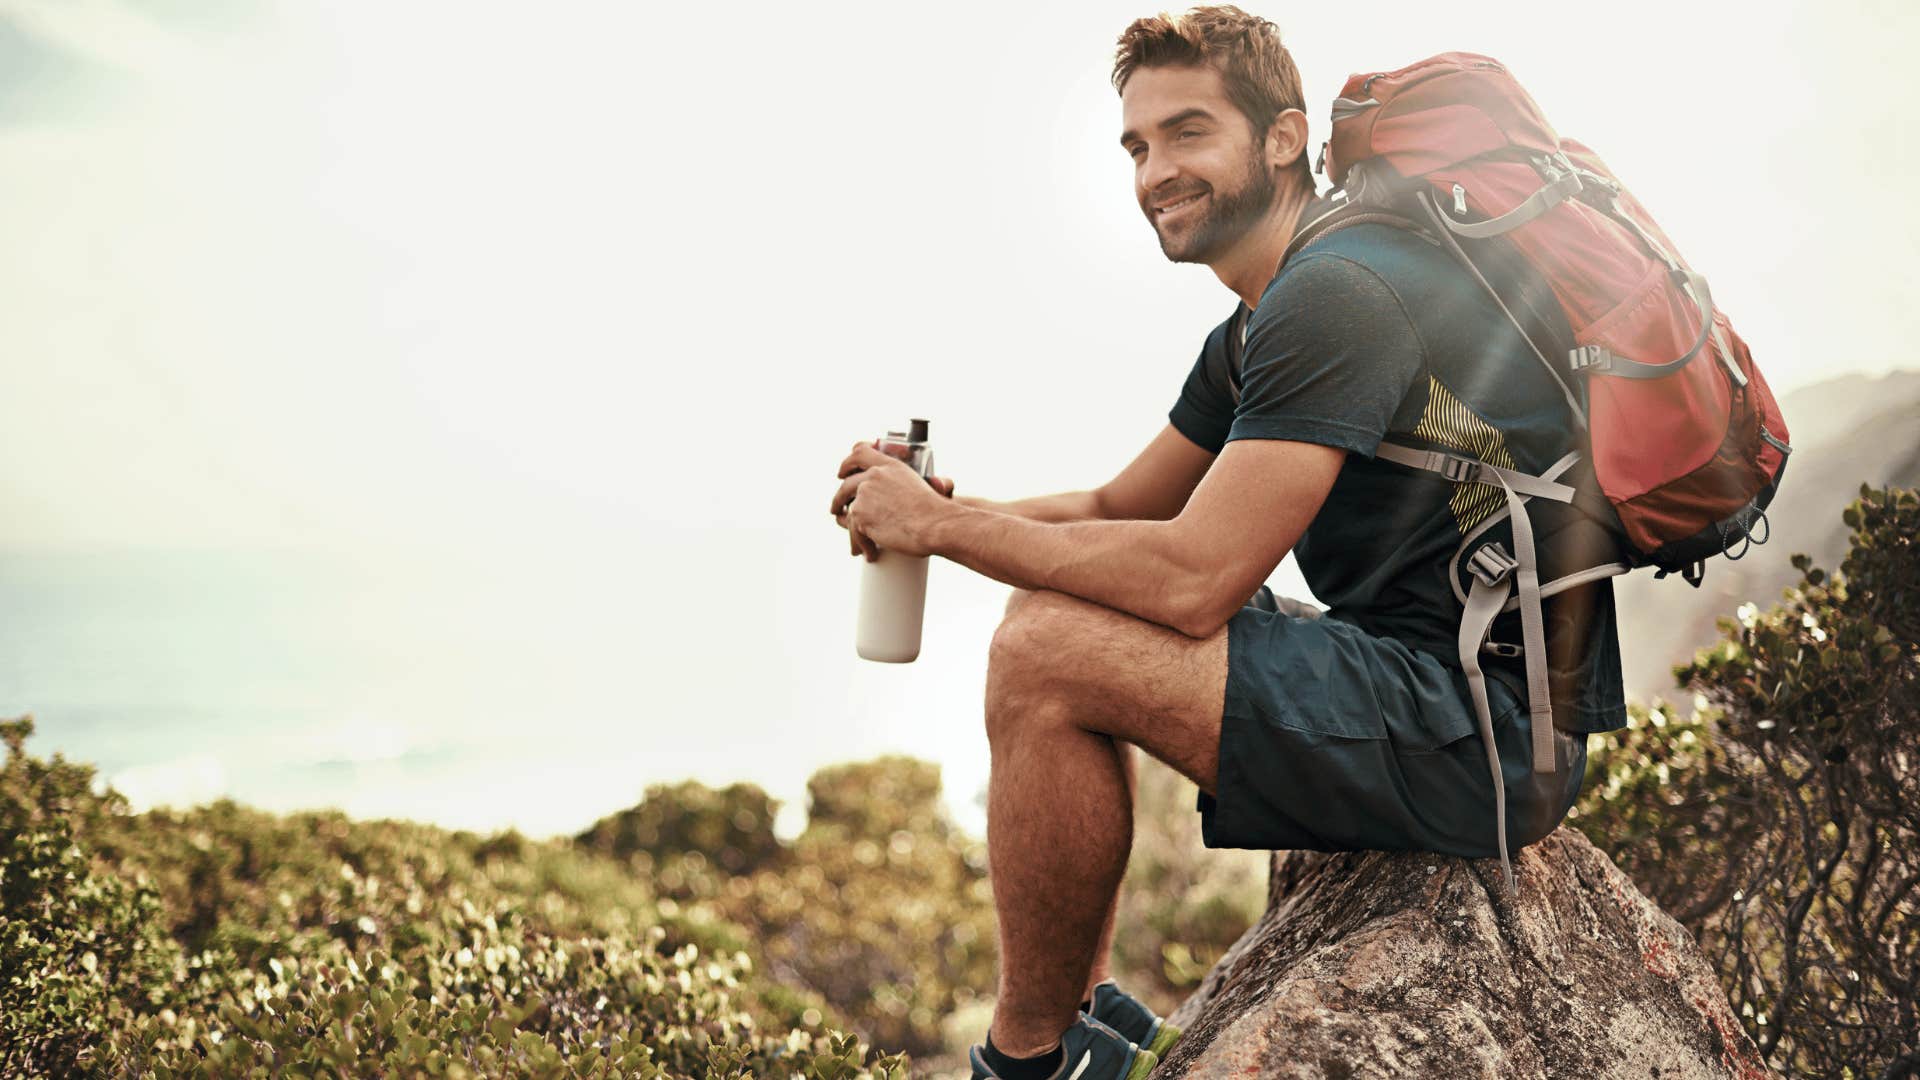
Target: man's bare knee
(1022, 683)
(1033, 619)
(1030, 632)
(1017, 653)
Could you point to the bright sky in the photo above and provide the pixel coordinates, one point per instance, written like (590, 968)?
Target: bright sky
(585, 292)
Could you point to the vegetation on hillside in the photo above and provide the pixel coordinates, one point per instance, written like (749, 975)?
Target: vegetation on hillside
(1183, 904)
(1780, 820)
(880, 906)
(220, 940)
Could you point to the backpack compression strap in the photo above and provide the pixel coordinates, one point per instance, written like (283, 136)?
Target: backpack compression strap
(1496, 575)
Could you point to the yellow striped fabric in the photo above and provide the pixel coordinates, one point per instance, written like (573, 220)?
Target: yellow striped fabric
(1450, 423)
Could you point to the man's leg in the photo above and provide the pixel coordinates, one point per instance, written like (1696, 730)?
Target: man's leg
(1103, 948)
(1065, 680)
(1130, 760)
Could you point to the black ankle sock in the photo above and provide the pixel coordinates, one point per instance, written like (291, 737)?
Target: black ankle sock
(1013, 1068)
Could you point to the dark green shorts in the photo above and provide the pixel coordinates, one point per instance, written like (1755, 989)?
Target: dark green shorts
(1334, 739)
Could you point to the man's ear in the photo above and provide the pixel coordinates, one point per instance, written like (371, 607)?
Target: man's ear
(1286, 138)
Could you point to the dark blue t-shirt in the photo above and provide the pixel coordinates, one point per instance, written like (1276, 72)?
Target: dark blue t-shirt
(1374, 331)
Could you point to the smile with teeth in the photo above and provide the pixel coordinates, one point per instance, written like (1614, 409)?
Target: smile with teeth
(1174, 207)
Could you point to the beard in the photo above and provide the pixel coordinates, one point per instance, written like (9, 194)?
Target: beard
(1228, 216)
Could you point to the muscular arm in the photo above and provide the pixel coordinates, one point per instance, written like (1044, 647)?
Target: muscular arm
(1154, 487)
(1064, 507)
(1190, 573)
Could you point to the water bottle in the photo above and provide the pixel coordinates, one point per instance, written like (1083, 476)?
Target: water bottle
(893, 587)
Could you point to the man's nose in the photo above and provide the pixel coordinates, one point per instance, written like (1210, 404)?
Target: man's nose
(1156, 171)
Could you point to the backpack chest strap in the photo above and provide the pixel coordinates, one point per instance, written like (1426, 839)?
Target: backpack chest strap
(1466, 470)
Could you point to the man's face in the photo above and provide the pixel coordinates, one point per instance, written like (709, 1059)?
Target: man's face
(1199, 175)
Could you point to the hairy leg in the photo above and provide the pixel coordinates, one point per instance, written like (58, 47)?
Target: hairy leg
(1067, 682)
(1103, 949)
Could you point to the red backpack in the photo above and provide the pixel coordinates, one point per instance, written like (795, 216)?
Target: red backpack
(1680, 444)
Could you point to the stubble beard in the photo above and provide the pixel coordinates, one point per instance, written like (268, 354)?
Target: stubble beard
(1227, 220)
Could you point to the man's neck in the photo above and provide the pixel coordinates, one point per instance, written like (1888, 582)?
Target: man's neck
(1251, 264)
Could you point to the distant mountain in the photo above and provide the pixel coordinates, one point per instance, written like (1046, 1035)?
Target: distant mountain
(1846, 431)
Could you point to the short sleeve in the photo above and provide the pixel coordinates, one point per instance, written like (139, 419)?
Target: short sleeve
(1204, 411)
(1330, 355)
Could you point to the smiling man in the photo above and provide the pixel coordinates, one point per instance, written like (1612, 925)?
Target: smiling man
(1132, 623)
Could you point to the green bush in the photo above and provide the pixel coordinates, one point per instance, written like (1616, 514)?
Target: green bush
(1780, 822)
(81, 948)
(887, 911)
(221, 940)
(732, 827)
(881, 906)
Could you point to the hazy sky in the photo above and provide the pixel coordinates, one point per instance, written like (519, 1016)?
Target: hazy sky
(591, 298)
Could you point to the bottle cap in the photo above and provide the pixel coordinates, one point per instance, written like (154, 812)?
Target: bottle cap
(919, 432)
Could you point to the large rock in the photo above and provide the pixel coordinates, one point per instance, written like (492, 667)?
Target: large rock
(1407, 964)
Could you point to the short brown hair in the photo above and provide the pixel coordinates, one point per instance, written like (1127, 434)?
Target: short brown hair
(1245, 49)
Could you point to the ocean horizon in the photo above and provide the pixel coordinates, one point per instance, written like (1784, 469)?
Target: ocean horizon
(465, 698)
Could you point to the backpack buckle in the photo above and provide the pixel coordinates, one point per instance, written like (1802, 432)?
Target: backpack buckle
(1594, 357)
(1491, 565)
(1460, 470)
(1501, 648)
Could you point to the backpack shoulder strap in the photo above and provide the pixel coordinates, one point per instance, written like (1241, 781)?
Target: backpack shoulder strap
(1236, 349)
(1345, 213)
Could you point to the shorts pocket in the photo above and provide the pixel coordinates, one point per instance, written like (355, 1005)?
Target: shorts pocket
(1426, 703)
(1314, 676)
(1447, 714)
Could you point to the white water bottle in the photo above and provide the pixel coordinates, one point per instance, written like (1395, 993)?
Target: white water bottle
(893, 587)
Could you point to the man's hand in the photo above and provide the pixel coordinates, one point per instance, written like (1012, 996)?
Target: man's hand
(895, 509)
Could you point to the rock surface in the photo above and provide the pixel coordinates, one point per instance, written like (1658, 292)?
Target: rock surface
(1380, 964)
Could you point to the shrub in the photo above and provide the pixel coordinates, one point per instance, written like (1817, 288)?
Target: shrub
(732, 826)
(1781, 822)
(80, 947)
(220, 940)
(881, 906)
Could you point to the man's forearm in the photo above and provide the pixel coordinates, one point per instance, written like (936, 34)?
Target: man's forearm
(1130, 566)
(1068, 506)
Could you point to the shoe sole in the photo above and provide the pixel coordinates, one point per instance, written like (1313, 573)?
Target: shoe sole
(1163, 1041)
(1143, 1062)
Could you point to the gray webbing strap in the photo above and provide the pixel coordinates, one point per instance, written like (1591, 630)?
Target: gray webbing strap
(1601, 358)
(1518, 487)
(1466, 470)
(1533, 632)
(1726, 358)
(1425, 199)
(1692, 284)
(1550, 195)
(1483, 603)
(1346, 108)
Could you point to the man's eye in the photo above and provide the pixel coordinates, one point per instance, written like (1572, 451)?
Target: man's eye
(1190, 134)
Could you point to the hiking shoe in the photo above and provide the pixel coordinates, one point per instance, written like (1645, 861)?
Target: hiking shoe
(1123, 1013)
(1090, 1051)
